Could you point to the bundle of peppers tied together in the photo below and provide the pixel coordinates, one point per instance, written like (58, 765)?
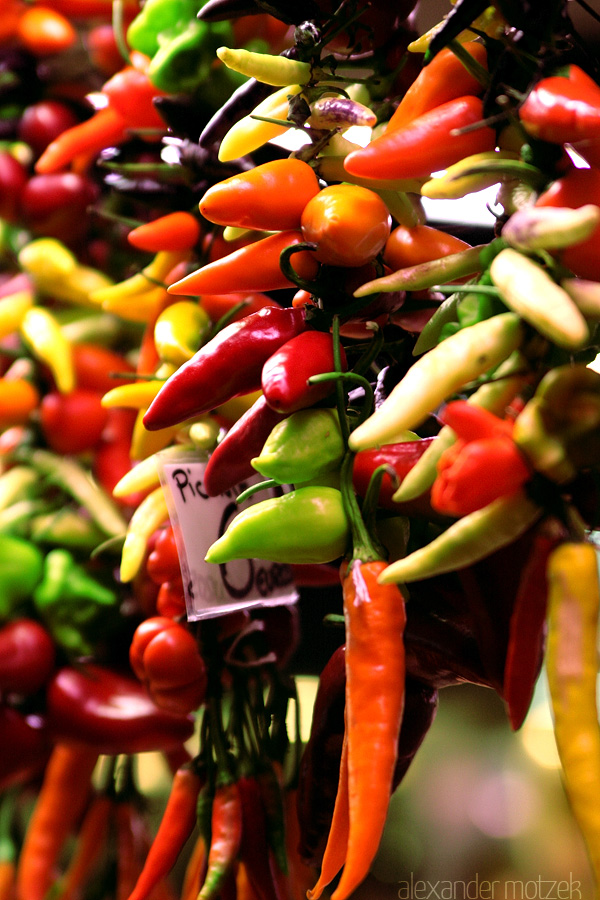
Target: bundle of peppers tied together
(425, 414)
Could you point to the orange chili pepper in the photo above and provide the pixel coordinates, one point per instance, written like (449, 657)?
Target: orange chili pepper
(174, 231)
(431, 142)
(105, 128)
(411, 246)
(445, 78)
(90, 844)
(226, 836)
(218, 305)
(60, 802)
(43, 30)
(11, 15)
(337, 841)
(195, 870)
(18, 399)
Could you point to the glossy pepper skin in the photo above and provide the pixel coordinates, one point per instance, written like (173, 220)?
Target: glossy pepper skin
(285, 374)
(214, 375)
(231, 460)
(303, 446)
(110, 711)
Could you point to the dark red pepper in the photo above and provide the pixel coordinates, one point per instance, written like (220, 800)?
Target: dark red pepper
(112, 711)
(285, 374)
(24, 747)
(401, 457)
(27, 655)
(214, 374)
(254, 848)
(229, 463)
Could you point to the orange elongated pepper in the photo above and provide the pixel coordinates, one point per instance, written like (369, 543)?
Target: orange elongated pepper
(433, 141)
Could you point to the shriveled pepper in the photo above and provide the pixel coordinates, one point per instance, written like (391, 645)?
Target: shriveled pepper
(303, 446)
(429, 143)
(270, 196)
(571, 666)
(307, 525)
(214, 375)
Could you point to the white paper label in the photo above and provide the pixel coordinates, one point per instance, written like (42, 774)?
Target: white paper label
(198, 520)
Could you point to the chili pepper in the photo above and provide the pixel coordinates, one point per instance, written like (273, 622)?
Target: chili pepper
(563, 108)
(226, 836)
(469, 539)
(195, 870)
(459, 359)
(230, 462)
(302, 447)
(142, 282)
(550, 228)
(163, 562)
(573, 602)
(477, 172)
(165, 656)
(176, 825)
(401, 456)
(249, 133)
(12, 309)
(278, 71)
(68, 774)
(170, 601)
(8, 849)
(43, 30)
(157, 22)
(134, 395)
(97, 367)
(105, 128)
(212, 376)
(180, 330)
(522, 284)
(27, 656)
(172, 232)
(349, 225)
(426, 274)
(411, 246)
(253, 850)
(218, 305)
(150, 514)
(527, 629)
(42, 332)
(270, 196)
(575, 189)
(20, 571)
(110, 711)
(91, 840)
(286, 374)
(444, 79)
(585, 294)
(254, 267)
(484, 463)
(431, 142)
(307, 525)
(334, 855)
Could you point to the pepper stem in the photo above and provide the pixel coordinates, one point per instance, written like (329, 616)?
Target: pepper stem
(363, 546)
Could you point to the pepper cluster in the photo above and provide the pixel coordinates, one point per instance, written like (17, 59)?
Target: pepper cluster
(427, 412)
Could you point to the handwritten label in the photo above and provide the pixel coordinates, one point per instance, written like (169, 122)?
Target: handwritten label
(198, 520)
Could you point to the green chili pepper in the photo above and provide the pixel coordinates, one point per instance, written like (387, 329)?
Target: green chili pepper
(305, 445)
(186, 60)
(308, 525)
(467, 540)
(438, 374)
(70, 601)
(157, 19)
(529, 290)
(21, 567)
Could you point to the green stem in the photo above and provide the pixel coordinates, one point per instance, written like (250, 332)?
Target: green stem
(340, 394)
(255, 488)
(285, 263)
(363, 547)
(118, 25)
(470, 63)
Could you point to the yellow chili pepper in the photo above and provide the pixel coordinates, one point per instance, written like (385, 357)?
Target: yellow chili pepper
(46, 259)
(142, 307)
(490, 21)
(459, 180)
(469, 539)
(572, 666)
(137, 395)
(42, 332)
(527, 289)
(151, 275)
(435, 376)
(145, 443)
(180, 330)
(149, 515)
(250, 133)
(144, 476)
(12, 310)
(276, 70)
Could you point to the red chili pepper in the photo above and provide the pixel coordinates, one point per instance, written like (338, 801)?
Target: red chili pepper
(27, 656)
(91, 841)
(177, 823)
(105, 128)
(429, 143)
(254, 850)
(444, 79)
(72, 422)
(170, 600)
(110, 711)
(563, 108)
(401, 457)
(195, 870)
(226, 837)
(577, 188)
(481, 466)
(229, 463)
(24, 747)
(214, 374)
(527, 630)
(218, 305)
(173, 231)
(165, 657)
(254, 267)
(98, 368)
(131, 93)
(163, 560)
(285, 374)
(60, 802)
(42, 30)
(269, 197)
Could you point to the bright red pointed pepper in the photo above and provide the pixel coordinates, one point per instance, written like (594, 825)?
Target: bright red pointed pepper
(214, 373)
(285, 374)
(563, 108)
